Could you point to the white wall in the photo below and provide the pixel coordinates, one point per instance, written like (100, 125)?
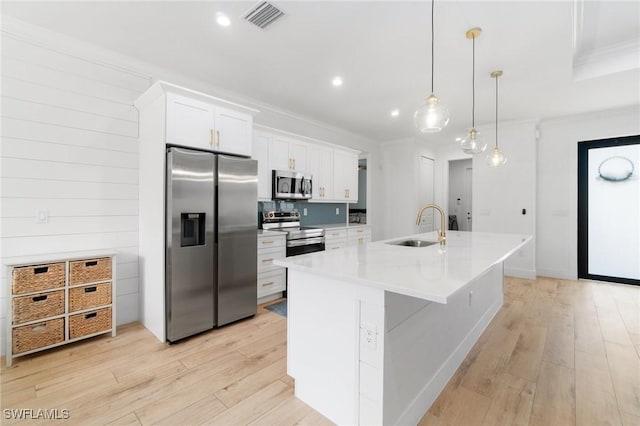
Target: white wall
(557, 190)
(69, 146)
(500, 194)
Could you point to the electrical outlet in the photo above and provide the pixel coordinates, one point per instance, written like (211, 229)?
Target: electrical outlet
(42, 216)
(337, 210)
(369, 337)
(304, 211)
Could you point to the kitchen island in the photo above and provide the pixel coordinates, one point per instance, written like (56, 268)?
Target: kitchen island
(376, 331)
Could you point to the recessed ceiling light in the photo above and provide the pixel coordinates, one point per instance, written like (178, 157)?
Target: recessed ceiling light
(337, 81)
(395, 113)
(458, 139)
(222, 19)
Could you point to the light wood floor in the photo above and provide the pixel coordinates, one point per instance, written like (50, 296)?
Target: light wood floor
(559, 352)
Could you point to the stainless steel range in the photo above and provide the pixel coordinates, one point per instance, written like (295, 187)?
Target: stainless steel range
(300, 240)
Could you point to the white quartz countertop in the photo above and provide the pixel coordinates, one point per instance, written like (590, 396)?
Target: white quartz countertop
(428, 273)
(341, 225)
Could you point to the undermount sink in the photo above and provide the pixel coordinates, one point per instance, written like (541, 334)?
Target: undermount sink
(413, 243)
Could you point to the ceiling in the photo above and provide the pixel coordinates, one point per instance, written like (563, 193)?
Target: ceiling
(381, 50)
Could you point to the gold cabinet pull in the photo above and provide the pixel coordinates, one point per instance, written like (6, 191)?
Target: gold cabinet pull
(218, 137)
(267, 260)
(269, 283)
(210, 137)
(294, 164)
(290, 164)
(268, 242)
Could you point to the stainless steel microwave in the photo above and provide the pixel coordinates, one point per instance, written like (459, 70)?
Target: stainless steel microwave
(289, 185)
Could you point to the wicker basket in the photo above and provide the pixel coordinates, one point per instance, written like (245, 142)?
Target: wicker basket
(37, 306)
(89, 322)
(90, 296)
(89, 270)
(38, 335)
(29, 279)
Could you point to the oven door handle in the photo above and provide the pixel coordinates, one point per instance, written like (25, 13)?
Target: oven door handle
(305, 242)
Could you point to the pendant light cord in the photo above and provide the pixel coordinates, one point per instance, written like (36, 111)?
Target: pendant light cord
(432, 44)
(497, 111)
(473, 86)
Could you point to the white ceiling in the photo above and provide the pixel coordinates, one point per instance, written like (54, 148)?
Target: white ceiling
(381, 49)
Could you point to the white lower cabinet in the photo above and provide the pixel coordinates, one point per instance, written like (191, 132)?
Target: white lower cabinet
(335, 238)
(271, 282)
(272, 279)
(358, 236)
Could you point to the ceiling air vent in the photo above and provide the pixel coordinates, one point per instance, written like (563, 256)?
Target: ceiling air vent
(263, 14)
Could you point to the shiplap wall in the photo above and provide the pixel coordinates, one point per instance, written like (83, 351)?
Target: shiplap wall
(69, 146)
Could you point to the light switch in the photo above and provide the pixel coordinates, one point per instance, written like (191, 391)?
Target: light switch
(337, 210)
(304, 211)
(42, 216)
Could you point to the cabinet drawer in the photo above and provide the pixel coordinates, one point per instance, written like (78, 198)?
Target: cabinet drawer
(271, 283)
(89, 322)
(89, 296)
(335, 245)
(37, 306)
(38, 335)
(335, 234)
(27, 279)
(89, 270)
(359, 232)
(266, 258)
(270, 242)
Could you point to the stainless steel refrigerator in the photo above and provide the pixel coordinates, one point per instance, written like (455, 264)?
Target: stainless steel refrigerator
(211, 241)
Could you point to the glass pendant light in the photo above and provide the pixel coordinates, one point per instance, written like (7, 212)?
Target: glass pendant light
(432, 116)
(473, 143)
(496, 157)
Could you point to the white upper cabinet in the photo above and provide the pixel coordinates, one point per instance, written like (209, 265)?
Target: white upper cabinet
(233, 131)
(287, 154)
(189, 122)
(279, 154)
(197, 120)
(194, 123)
(345, 176)
(320, 165)
(334, 169)
(261, 154)
(298, 154)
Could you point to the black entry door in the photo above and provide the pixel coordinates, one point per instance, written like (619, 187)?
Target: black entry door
(609, 210)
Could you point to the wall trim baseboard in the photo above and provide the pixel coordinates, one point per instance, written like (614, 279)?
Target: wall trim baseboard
(558, 273)
(436, 385)
(529, 274)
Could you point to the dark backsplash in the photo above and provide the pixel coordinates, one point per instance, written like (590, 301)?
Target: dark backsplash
(317, 213)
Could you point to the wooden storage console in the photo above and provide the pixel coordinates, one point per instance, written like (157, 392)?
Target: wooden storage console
(57, 300)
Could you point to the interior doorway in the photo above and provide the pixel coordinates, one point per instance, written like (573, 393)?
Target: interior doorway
(460, 195)
(608, 210)
(426, 193)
